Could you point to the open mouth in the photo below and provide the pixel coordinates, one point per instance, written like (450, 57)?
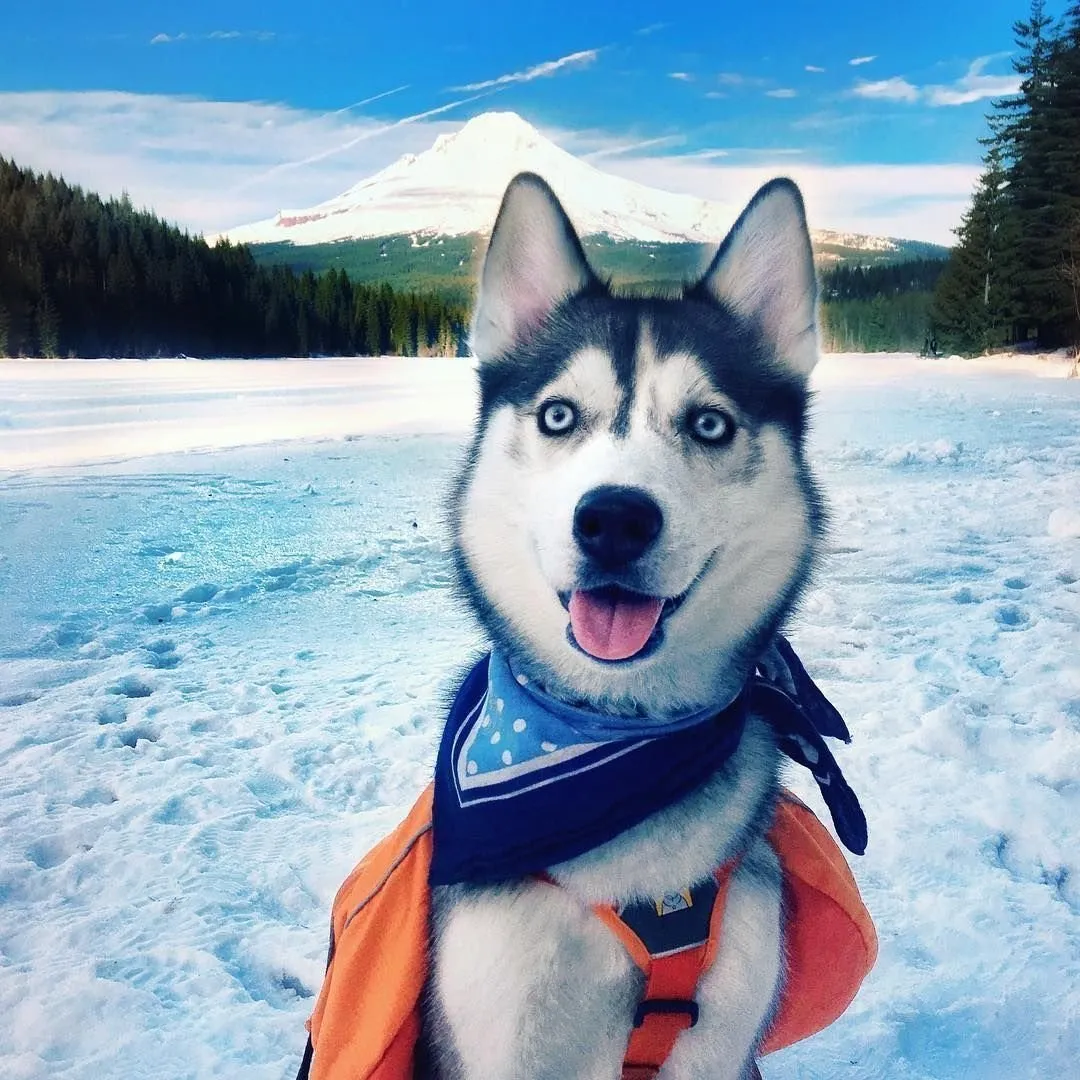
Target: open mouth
(613, 624)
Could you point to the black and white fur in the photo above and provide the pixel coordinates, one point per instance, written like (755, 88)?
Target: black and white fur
(527, 984)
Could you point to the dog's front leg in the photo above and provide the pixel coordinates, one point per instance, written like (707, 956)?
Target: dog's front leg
(526, 984)
(737, 995)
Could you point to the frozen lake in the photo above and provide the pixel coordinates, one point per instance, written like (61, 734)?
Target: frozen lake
(225, 618)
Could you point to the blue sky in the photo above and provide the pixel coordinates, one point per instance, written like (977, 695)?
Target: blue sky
(187, 105)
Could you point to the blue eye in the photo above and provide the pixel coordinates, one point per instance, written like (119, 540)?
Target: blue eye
(711, 426)
(557, 418)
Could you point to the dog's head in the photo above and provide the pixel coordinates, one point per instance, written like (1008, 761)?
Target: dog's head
(636, 516)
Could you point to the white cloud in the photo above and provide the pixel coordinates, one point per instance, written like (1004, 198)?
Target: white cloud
(858, 61)
(970, 87)
(537, 71)
(973, 86)
(918, 201)
(815, 69)
(196, 162)
(737, 81)
(681, 76)
(783, 92)
(829, 120)
(214, 35)
(894, 89)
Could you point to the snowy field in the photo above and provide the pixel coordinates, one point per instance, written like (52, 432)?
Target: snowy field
(219, 668)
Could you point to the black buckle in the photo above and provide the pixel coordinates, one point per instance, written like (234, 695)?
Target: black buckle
(666, 1005)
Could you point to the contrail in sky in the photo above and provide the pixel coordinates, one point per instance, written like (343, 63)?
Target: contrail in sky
(370, 133)
(368, 100)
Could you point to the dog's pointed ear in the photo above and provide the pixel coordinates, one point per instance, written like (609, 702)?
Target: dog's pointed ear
(764, 271)
(534, 261)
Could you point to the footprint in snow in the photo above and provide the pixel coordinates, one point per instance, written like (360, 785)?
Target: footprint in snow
(52, 851)
(999, 852)
(140, 733)
(260, 982)
(112, 712)
(49, 852)
(162, 654)
(202, 593)
(176, 810)
(131, 686)
(158, 613)
(72, 635)
(24, 697)
(95, 796)
(1012, 617)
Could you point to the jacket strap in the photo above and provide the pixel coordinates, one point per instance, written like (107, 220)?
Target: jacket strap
(667, 1007)
(305, 1065)
(678, 954)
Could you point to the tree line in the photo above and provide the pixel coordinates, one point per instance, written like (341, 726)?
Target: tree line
(878, 308)
(83, 276)
(1014, 276)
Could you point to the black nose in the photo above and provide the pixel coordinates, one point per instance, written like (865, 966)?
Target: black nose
(616, 525)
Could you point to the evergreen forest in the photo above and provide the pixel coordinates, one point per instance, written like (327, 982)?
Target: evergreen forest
(1013, 279)
(83, 276)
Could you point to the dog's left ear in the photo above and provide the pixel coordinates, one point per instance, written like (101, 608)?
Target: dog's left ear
(764, 271)
(534, 261)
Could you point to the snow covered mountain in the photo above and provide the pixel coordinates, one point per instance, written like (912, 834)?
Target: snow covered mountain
(454, 189)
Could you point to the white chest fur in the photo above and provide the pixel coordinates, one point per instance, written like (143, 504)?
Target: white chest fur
(528, 984)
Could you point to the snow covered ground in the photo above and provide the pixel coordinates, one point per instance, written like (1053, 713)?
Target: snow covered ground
(219, 669)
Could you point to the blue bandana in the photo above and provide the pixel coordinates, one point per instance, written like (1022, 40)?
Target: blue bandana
(524, 781)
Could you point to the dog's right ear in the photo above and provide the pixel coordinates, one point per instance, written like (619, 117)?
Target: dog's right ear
(534, 261)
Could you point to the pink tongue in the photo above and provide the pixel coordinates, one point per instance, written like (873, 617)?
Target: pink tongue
(613, 629)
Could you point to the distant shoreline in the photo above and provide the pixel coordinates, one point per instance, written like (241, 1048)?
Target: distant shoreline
(62, 414)
(1056, 364)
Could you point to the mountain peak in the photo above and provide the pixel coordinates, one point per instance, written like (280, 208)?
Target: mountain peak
(492, 136)
(455, 187)
(503, 126)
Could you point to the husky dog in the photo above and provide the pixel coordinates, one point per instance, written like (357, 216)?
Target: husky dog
(634, 522)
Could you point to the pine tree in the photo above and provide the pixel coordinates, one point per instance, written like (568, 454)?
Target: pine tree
(399, 327)
(48, 328)
(386, 315)
(444, 343)
(970, 311)
(303, 331)
(5, 329)
(1070, 273)
(1065, 161)
(1030, 137)
(373, 325)
(1016, 237)
(358, 328)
